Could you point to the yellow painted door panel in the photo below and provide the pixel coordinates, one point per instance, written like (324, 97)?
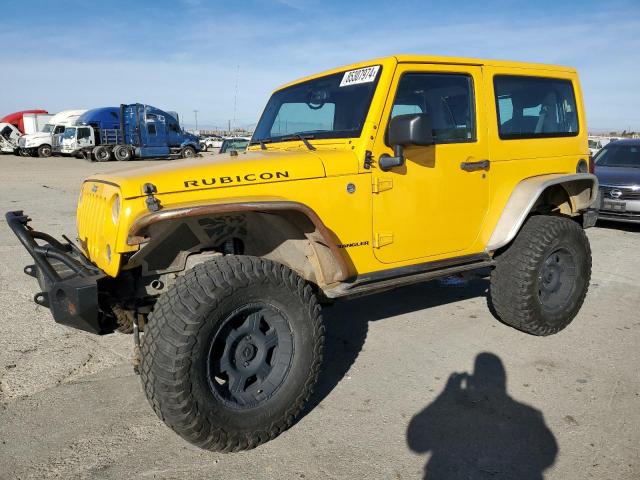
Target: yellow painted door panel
(431, 206)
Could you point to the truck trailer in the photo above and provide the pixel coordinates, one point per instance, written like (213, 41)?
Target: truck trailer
(128, 132)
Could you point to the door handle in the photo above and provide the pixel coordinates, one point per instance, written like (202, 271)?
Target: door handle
(473, 166)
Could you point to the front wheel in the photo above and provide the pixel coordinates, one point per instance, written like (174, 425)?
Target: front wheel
(231, 353)
(44, 151)
(102, 153)
(188, 152)
(541, 280)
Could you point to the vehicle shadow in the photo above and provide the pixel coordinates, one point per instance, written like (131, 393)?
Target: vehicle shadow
(627, 227)
(475, 430)
(346, 322)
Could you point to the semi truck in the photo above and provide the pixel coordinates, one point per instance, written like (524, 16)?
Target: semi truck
(17, 119)
(39, 144)
(128, 132)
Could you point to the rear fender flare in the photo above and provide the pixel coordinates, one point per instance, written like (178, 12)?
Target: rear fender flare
(581, 189)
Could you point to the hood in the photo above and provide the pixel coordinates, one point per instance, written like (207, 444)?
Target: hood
(618, 176)
(37, 136)
(220, 171)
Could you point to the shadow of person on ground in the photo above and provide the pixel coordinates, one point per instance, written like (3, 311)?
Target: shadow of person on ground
(347, 322)
(475, 430)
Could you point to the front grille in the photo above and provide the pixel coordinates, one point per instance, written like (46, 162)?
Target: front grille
(626, 193)
(92, 213)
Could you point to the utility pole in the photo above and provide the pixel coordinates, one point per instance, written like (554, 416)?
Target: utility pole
(235, 98)
(196, 113)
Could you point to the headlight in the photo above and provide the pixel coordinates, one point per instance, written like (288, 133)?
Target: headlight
(115, 208)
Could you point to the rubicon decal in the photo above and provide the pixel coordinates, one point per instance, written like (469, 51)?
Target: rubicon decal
(246, 178)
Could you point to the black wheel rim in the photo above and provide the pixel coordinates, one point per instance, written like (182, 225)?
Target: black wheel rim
(250, 355)
(556, 280)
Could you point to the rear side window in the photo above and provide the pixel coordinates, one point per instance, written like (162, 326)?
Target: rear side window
(151, 128)
(535, 107)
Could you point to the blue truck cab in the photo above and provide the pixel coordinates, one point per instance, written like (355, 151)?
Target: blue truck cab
(127, 132)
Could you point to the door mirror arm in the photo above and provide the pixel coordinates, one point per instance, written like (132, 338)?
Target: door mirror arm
(387, 162)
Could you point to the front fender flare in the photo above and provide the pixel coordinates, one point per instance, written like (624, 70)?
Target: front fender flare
(139, 229)
(526, 194)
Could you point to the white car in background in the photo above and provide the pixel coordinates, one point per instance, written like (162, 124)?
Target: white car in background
(211, 143)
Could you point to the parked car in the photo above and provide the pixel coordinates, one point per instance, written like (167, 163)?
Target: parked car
(130, 131)
(211, 143)
(238, 144)
(596, 143)
(617, 167)
(39, 144)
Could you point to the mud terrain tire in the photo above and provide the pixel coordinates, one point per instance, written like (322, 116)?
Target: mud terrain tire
(196, 352)
(541, 280)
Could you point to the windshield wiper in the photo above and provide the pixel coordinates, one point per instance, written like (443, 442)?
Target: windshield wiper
(302, 138)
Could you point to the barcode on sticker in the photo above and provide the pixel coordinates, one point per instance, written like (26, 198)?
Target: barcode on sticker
(361, 75)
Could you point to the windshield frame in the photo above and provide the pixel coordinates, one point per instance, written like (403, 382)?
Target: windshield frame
(319, 134)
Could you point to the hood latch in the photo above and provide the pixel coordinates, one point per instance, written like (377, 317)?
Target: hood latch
(153, 204)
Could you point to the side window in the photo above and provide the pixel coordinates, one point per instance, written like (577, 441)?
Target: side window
(535, 107)
(59, 129)
(446, 97)
(83, 133)
(151, 128)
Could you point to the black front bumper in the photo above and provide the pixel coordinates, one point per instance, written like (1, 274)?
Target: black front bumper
(68, 280)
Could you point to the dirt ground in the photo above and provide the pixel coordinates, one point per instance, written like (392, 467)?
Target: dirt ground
(389, 403)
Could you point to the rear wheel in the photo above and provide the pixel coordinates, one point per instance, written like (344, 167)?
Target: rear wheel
(231, 353)
(122, 153)
(101, 154)
(541, 280)
(44, 151)
(188, 152)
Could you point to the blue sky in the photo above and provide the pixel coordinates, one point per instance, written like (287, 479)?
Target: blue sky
(184, 54)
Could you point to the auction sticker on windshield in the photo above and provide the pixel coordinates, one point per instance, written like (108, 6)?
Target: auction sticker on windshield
(361, 75)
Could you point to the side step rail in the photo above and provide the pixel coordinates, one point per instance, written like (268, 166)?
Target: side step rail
(368, 286)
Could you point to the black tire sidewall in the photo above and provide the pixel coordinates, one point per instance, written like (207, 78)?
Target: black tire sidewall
(188, 149)
(299, 371)
(572, 242)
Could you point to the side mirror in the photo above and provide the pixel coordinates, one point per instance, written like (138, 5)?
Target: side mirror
(414, 129)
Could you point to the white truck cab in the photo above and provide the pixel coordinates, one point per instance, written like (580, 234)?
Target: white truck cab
(74, 139)
(9, 136)
(40, 143)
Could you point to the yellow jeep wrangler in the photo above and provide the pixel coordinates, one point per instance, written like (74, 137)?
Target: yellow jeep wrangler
(359, 179)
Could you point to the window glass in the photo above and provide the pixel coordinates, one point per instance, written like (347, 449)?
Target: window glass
(333, 106)
(447, 98)
(531, 107)
(627, 156)
(151, 128)
(59, 129)
(83, 133)
(298, 117)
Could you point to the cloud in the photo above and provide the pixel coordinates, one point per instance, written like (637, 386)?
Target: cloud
(185, 58)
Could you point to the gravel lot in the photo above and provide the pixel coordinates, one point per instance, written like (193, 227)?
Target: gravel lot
(71, 406)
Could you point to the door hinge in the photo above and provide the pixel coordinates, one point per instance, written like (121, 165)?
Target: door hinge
(382, 184)
(382, 239)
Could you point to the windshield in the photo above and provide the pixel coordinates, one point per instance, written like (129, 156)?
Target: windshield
(234, 144)
(334, 106)
(619, 156)
(70, 132)
(48, 128)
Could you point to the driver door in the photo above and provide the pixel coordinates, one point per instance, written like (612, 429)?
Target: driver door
(432, 207)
